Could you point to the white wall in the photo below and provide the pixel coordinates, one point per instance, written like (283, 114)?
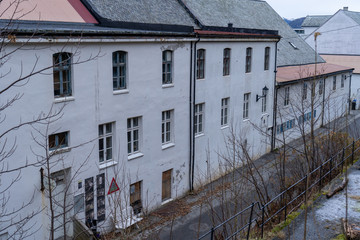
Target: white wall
(210, 90)
(94, 103)
(335, 105)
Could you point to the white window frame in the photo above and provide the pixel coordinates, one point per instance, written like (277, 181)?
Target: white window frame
(264, 103)
(304, 91)
(226, 61)
(167, 127)
(246, 106)
(267, 58)
(334, 83)
(248, 60)
(199, 119)
(225, 102)
(105, 132)
(57, 144)
(167, 67)
(134, 146)
(62, 63)
(287, 96)
(120, 79)
(343, 76)
(321, 86)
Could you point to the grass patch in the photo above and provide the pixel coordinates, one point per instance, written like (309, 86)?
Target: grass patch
(285, 223)
(340, 237)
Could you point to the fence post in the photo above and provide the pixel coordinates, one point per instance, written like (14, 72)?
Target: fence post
(342, 160)
(250, 220)
(331, 159)
(262, 221)
(212, 233)
(321, 175)
(352, 152)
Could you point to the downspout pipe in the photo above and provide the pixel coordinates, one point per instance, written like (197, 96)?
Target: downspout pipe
(275, 101)
(192, 111)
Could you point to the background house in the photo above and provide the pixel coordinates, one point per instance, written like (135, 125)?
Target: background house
(337, 43)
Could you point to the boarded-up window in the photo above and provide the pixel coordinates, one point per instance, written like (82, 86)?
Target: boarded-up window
(166, 185)
(135, 197)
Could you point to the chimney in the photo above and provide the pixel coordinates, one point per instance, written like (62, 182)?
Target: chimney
(346, 8)
(230, 25)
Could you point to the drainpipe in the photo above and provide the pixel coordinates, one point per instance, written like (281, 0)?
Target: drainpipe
(275, 102)
(192, 112)
(349, 99)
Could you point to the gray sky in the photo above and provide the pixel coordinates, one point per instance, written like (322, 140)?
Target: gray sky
(301, 8)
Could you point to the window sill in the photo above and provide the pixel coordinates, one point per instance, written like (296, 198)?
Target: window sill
(224, 127)
(246, 120)
(200, 79)
(168, 85)
(166, 201)
(60, 151)
(167, 145)
(264, 114)
(135, 155)
(64, 99)
(107, 164)
(122, 91)
(199, 135)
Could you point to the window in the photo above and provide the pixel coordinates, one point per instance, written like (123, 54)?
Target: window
(167, 126)
(167, 67)
(133, 135)
(287, 96)
(62, 74)
(267, 58)
(304, 91)
(200, 64)
(334, 82)
(105, 142)
(343, 77)
(135, 197)
(224, 111)
(226, 62)
(58, 140)
(119, 70)
(248, 60)
(246, 105)
(321, 87)
(166, 185)
(285, 126)
(199, 119)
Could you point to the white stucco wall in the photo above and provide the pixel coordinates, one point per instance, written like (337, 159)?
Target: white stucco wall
(93, 103)
(211, 145)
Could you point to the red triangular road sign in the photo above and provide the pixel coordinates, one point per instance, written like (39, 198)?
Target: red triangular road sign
(113, 187)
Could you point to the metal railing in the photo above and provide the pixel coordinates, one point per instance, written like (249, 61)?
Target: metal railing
(317, 177)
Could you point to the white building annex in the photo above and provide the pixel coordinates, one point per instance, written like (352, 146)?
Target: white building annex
(132, 106)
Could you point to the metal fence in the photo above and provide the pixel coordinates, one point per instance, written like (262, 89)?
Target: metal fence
(280, 206)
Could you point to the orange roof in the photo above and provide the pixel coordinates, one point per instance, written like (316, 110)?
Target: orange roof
(46, 10)
(345, 60)
(294, 73)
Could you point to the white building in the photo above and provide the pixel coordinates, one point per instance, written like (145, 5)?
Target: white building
(147, 95)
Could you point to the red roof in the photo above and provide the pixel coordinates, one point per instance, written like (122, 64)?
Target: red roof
(293, 73)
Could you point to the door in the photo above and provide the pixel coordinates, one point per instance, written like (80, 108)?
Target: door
(166, 185)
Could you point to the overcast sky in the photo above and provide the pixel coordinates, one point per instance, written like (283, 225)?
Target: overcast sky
(301, 8)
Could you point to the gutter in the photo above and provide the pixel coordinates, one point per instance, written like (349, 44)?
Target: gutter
(192, 112)
(275, 103)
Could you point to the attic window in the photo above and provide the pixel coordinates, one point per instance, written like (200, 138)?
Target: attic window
(293, 45)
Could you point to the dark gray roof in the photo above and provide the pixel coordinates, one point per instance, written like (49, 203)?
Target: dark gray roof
(354, 15)
(292, 49)
(69, 28)
(142, 11)
(315, 20)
